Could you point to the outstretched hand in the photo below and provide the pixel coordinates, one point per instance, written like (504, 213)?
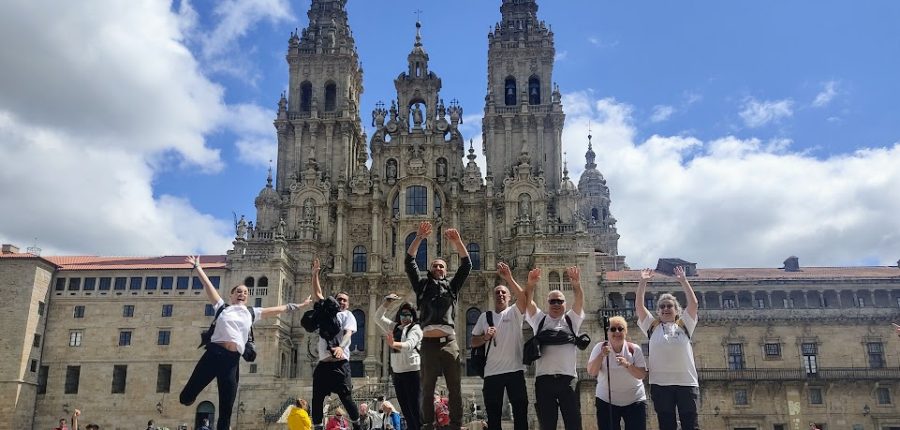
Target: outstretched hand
(534, 275)
(646, 274)
(503, 270)
(307, 301)
(680, 274)
(193, 260)
(424, 229)
(452, 234)
(574, 274)
(316, 266)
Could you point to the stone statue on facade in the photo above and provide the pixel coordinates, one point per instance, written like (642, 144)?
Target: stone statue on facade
(241, 228)
(417, 116)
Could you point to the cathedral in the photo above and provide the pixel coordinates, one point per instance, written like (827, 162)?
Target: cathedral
(100, 333)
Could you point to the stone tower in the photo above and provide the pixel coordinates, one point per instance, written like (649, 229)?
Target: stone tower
(523, 114)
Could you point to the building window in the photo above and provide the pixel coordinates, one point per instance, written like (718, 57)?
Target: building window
(43, 373)
(810, 363)
(509, 91)
(735, 356)
(728, 303)
(166, 283)
(554, 281)
(788, 303)
(33, 366)
(416, 200)
(41, 308)
(105, 284)
(60, 284)
(358, 340)
(567, 282)
(884, 395)
(474, 255)
(257, 302)
(74, 284)
(150, 283)
(249, 282)
(422, 253)
(120, 374)
(90, 284)
(861, 302)
(263, 285)
(214, 280)
(534, 91)
(816, 396)
(73, 374)
(305, 96)
(128, 311)
(124, 337)
(119, 283)
(167, 311)
(740, 397)
(359, 259)
(760, 303)
(209, 310)
(75, 337)
(773, 350)
(78, 312)
(650, 302)
(253, 368)
(36, 342)
(182, 282)
(135, 283)
(330, 97)
(196, 284)
(163, 337)
(876, 354)
(163, 378)
(395, 206)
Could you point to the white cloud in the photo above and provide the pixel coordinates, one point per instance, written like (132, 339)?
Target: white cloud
(561, 55)
(733, 202)
(256, 141)
(661, 113)
(826, 95)
(593, 40)
(759, 113)
(103, 99)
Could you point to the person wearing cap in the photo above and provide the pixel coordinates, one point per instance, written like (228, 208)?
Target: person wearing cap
(504, 369)
(436, 298)
(403, 336)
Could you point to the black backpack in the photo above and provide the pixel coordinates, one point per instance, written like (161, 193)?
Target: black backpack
(478, 355)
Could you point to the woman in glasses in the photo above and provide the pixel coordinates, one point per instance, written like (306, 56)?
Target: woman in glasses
(673, 375)
(620, 370)
(403, 336)
(338, 421)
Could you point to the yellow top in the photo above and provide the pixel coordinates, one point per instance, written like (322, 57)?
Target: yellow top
(298, 419)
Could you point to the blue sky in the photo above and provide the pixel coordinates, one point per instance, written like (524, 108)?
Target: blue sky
(731, 133)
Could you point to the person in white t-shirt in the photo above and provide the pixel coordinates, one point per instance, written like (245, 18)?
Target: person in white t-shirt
(332, 372)
(620, 369)
(221, 360)
(673, 375)
(555, 374)
(504, 369)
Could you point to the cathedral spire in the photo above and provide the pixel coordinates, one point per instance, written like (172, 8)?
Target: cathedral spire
(418, 58)
(590, 156)
(328, 28)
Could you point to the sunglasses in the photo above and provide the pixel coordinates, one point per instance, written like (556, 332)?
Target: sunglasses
(342, 299)
(667, 306)
(556, 301)
(404, 315)
(615, 329)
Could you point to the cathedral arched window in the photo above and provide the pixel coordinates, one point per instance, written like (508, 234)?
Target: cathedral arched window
(249, 282)
(554, 281)
(534, 90)
(305, 96)
(330, 97)
(359, 259)
(422, 253)
(358, 339)
(566, 282)
(416, 200)
(509, 91)
(263, 282)
(474, 255)
(595, 214)
(472, 316)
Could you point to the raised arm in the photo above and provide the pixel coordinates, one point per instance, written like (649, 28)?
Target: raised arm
(514, 288)
(288, 307)
(381, 319)
(316, 287)
(465, 265)
(534, 276)
(409, 265)
(692, 303)
(211, 292)
(575, 277)
(75, 416)
(639, 306)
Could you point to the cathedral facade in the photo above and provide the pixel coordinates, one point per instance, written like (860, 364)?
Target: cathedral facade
(116, 337)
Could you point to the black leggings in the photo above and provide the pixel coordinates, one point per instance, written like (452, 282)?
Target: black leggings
(409, 396)
(222, 365)
(333, 377)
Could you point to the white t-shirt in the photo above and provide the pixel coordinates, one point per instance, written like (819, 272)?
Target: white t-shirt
(233, 324)
(505, 354)
(626, 389)
(347, 322)
(671, 353)
(556, 359)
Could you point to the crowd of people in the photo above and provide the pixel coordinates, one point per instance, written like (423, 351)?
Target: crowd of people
(420, 334)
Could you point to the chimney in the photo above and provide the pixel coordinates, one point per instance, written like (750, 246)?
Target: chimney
(792, 264)
(9, 249)
(668, 265)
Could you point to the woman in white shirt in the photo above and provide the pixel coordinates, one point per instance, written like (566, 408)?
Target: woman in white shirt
(223, 353)
(403, 336)
(623, 379)
(673, 375)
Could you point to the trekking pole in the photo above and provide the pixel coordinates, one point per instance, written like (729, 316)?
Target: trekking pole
(608, 385)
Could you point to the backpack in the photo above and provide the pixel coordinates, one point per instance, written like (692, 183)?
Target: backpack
(478, 355)
(678, 321)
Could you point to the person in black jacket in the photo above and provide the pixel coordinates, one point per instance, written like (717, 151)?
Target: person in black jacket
(436, 298)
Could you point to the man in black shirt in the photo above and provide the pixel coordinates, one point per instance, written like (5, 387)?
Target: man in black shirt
(436, 299)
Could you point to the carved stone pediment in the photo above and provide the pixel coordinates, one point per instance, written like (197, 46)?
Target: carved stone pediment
(361, 183)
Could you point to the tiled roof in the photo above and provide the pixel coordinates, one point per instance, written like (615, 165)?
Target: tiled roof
(134, 263)
(25, 255)
(725, 274)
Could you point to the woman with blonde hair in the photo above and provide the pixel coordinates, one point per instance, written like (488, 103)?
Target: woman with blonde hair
(391, 418)
(338, 421)
(620, 368)
(296, 416)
